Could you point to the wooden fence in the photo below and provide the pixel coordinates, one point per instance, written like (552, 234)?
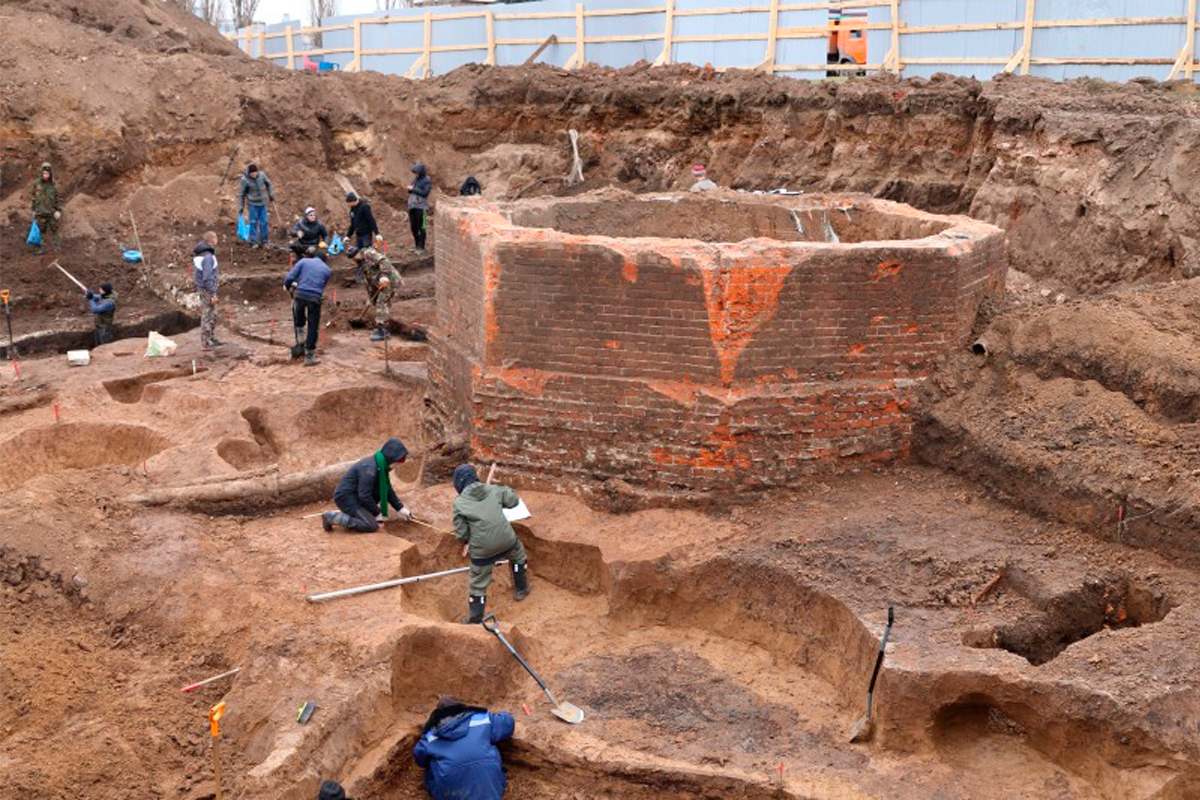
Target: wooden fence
(254, 40)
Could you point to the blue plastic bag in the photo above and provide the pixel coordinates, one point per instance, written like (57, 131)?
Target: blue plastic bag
(243, 232)
(335, 245)
(35, 235)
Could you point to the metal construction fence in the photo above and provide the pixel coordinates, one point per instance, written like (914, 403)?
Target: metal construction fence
(1110, 39)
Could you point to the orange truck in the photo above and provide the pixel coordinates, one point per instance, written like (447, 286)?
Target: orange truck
(847, 39)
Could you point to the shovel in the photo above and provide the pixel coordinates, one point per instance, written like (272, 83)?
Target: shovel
(297, 348)
(564, 711)
(865, 726)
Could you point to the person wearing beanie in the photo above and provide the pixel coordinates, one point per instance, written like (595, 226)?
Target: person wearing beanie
(206, 277)
(457, 750)
(47, 205)
(256, 192)
(363, 229)
(332, 790)
(487, 537)
(104, 307)
(365, 492)
(309, 232)
(700, 175)
(306, 281)
(418, 205)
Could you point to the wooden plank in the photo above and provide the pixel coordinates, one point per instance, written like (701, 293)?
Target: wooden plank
(664, 57)
(768, 62)
(1027, 36)
(1190, 44)
(428, 42)
(818, 67)
(262, 41)
(356, 63)
(892, 62)
(579, 59)
(490, 17)
(416, 65)
(724, 37)
(291, 48)
(551, 39)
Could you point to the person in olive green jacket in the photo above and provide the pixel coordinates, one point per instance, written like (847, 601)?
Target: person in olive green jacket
(47, 205)
(487, 537)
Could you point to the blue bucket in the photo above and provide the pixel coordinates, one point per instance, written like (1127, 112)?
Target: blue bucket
(132, 256)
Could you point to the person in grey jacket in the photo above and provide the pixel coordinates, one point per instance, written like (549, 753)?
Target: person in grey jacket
(256, 192)
(204, 271)
(418, 205)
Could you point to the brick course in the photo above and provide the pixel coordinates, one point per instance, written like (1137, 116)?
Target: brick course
(683, 364)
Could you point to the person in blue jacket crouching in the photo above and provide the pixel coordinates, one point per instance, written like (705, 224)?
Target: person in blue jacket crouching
(457, 750)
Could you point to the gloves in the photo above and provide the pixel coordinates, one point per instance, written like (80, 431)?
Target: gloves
(379, 237)
(89, 294)
(405, 513)
(58, 215)
(380, 518)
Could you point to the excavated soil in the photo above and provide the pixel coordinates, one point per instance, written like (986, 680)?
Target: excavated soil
(1040, 550)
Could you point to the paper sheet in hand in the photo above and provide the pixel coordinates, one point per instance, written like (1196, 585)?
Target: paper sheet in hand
(518, 512)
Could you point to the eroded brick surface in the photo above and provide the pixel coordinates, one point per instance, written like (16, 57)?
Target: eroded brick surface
(688, 364)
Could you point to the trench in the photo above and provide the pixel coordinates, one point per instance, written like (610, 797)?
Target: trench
(167, 323)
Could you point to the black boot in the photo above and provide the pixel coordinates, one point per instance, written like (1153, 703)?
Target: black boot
(475, 604)
(520, 573)
(379, 334)
(331, 518)
(310, 358)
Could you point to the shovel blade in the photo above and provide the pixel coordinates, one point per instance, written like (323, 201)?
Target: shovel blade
(862, 730)
(568, 712)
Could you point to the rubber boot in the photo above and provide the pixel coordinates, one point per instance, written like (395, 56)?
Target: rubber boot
(310, 358)
(520, 574)
(475, 604)
(379, 334)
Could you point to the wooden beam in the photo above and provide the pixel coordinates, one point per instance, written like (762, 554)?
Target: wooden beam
(416, 65)
(428, 42)
(356, 62)
(1027, 36)
(262, 41)
(490, 19)
(579, 59)
(291, 49)
(1187, 53)
(664, 57)
(768, 62)
(892, 62)
(551, 39)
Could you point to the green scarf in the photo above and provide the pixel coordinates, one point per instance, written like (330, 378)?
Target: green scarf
(385, 482)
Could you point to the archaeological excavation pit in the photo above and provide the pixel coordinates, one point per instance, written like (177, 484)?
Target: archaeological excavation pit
(710, 343)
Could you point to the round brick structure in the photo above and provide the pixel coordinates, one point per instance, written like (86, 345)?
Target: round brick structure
(711, 342)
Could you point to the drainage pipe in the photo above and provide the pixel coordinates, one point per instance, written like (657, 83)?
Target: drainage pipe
(314, 598)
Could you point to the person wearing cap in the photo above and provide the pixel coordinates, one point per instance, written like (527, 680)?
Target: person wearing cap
(382, 280)
(457, 750)
(363, 230)
(365, 492)
(309, 232)
(487, 537)
(46, 204)
(104, 307)
(206, 278)
(418, 205)
(306, 281)
(702, 184)
(332, 790)
(256, 192)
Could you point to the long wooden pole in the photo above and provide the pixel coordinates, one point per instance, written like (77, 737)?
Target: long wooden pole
(490, 17)
(1027, 36)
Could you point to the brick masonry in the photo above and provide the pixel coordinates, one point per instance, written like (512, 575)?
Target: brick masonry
(562, 350)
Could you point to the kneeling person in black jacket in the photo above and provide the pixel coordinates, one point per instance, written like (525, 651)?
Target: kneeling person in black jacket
(365, 492)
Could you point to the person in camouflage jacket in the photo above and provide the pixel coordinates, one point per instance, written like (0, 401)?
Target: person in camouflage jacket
(46, 204)
(382, 279)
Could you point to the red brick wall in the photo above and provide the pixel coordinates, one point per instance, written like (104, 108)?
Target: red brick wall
(683, 364)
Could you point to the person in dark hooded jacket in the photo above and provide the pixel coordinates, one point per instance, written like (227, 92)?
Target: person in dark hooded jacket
(104, 307)
(363, 229)
(418, 205)
(470, 187)
(365, 492)
(487, 537)
(457, 750)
